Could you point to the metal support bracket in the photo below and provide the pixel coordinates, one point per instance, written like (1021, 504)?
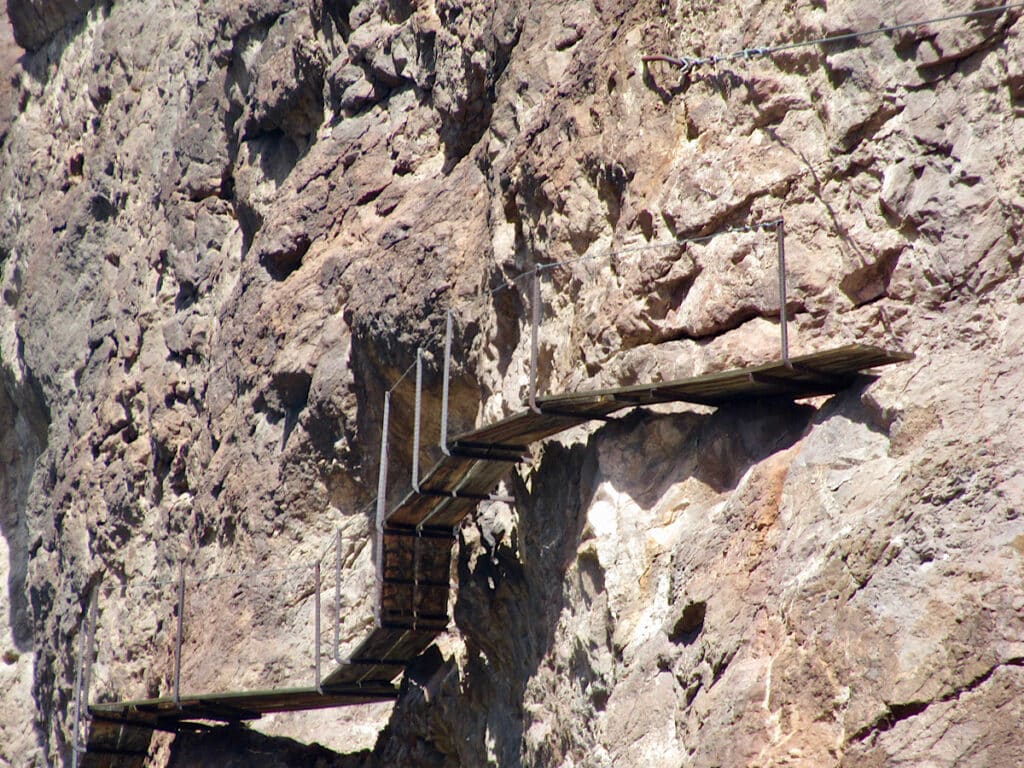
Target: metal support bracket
(580, 417)
(441, 493)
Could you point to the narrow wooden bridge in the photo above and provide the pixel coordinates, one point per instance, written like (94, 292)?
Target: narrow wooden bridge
(416, 528)
(415, 544)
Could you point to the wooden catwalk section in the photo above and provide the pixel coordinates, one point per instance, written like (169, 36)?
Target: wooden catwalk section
(415, 547)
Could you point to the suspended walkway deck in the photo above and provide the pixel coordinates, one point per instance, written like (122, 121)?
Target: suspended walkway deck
(415, 539)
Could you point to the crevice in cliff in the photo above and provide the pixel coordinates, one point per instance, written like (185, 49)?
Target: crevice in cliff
(24, 428)
(894, 714)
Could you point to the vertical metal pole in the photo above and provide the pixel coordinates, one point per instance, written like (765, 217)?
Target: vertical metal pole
(337, 598)
(534, 346)
(382, 503)
(83, 677)
(90, 649)
(416, 422)
(316, 628)
(416, 577)
(178, 638)
(780, 234)
(77, 742)
(444, 385)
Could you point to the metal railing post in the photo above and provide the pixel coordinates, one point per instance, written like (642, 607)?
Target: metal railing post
(416, 422)
(179, 635)
(316, 629)
(416, 577)
(337, 599)
(780, 234)
(534, 344)
(77, 741)
(382, 503)
(444, 384)
(90, 651)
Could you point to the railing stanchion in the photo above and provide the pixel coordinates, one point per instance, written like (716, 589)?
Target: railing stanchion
(534, 344)
(179, 635)
(382, 503)
(337, 598)
(416, 422)
(444, 384)
(780, 234)
(76, 746)
(316, 628)
(90, 652)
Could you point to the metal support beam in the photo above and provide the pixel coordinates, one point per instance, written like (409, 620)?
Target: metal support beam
(780, 236)
(466, 495)
(440, 533)
(382, 499)
(178, 635)
(534, 342)
(316, 628)
(444, 384)
(416, 421)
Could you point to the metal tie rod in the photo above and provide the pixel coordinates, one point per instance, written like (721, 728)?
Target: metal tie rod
(337, 600)
(780, 235)
(316, 629)
(444, 384)
(178, 635)
(416, 421)
(382, 502)
(534, 343)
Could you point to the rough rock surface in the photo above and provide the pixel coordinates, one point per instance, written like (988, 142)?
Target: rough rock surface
(226, 226)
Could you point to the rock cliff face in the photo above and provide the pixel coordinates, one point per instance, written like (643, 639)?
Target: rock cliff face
(227, 226)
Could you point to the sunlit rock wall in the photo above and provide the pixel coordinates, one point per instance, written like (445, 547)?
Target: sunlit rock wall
(226, 227)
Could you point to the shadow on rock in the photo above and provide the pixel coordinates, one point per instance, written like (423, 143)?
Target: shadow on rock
(235, 747)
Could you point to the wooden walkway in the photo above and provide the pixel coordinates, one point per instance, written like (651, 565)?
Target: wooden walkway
(416, 544)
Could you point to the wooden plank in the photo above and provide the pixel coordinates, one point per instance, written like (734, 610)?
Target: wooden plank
(820, 369)
(391, 644)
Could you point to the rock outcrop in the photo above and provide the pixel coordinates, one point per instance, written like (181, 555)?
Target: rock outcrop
(227, 226)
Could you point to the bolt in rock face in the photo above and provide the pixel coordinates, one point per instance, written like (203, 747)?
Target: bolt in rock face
(227, 228)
